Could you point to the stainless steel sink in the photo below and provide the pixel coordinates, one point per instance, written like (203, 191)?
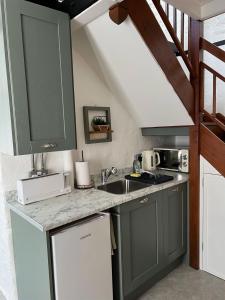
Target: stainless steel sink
(122, 186)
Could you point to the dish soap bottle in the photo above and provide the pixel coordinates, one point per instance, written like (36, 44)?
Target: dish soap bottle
(136, 166)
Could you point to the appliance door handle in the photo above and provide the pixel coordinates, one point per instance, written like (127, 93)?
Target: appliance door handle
(90, 219)
(152, 162)
(158, 158)
(49, 146)
(145, 200)
(180, 160)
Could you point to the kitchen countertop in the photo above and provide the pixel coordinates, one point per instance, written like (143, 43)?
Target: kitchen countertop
(55, 212)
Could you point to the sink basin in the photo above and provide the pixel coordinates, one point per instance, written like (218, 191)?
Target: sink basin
(122, 186)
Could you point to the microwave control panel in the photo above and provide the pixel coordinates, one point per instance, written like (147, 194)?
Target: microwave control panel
(184, 162)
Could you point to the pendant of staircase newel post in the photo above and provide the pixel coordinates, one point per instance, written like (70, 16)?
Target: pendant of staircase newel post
(195, 32)
(118, 13)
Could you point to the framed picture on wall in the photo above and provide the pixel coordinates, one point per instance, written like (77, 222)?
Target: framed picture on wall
(97, 124)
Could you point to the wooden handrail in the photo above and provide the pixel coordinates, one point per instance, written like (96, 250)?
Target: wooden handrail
(173, 35)
(211, 70)
(212, 49)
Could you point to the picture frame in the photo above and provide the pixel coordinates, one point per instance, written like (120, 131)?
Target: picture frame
(97, 124)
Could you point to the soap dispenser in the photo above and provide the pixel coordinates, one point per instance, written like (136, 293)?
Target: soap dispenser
(136, 165)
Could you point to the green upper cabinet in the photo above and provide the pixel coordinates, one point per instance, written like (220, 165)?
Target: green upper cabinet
(37, 94)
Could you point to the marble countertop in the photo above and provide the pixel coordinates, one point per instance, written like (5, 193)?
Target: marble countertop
(55, 212)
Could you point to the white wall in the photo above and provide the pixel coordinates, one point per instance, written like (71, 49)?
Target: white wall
(212, 8)
(11, 169)
(205, 168)
(90, 89)
(191, 7)
(134, 76)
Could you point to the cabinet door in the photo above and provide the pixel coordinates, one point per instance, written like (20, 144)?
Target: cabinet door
(214, 225)
(141, 240)
(40, 62)
(175, 222)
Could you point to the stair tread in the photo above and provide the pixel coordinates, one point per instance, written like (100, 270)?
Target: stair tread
(218, 119)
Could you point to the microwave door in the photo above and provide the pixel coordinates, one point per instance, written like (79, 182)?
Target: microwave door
(169, 160)
(174, 160)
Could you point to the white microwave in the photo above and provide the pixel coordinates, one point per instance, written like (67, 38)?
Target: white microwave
(174, 159)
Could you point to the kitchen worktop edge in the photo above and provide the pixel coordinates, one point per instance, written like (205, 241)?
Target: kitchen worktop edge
(58, 211)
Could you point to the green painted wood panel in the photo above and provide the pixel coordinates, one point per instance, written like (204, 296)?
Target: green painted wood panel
(165, 131)
(141, 240)
(32, 260)
(6, 128)
(175, 219)
(151, 238)
(41, 77)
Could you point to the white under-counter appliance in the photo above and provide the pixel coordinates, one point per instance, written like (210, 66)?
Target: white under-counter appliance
(82, 260)
(173, 159)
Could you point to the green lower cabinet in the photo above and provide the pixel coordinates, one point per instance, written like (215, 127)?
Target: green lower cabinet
(141, 242)
(175, 222)
(151, 234)
(151, 239)
(32, 260)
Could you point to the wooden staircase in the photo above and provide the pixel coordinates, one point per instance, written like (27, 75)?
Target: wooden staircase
(212, 130)
(165, 53)
(207, 135)
(190, 89)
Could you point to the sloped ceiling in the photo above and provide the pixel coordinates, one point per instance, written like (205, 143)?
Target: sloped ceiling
(200, 9)
(197, 9)
(133, 75)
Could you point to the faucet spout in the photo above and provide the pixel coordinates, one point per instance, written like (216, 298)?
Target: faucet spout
(106, 173)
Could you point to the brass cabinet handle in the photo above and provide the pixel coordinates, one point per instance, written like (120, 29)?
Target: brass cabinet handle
(48, 146)
(145, 200)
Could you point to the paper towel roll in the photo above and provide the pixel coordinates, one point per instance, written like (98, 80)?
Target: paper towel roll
(82, 173)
